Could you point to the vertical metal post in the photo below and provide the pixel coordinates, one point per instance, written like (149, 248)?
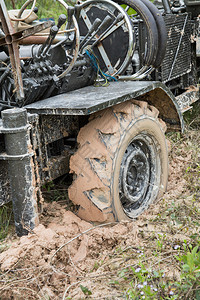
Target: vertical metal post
(21, 169)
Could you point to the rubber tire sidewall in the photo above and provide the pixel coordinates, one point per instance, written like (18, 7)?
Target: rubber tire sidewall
(153, 129)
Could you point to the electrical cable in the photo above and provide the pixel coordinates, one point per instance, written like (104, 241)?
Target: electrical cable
(95, 64)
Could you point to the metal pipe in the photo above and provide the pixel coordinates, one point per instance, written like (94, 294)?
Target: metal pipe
(141, 74)
(166, 6)
(76, 50)
(93, 28)
(53, 31)
(39, 40)
(21, 169)
(4, 75)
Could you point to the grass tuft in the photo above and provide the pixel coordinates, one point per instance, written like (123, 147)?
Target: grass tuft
(6, 218)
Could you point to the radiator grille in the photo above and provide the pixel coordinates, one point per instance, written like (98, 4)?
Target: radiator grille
(178, 53)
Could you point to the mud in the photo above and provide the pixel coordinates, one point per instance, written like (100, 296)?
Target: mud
(94, 162)
(36, 253)
(64, 252)
(57, 256)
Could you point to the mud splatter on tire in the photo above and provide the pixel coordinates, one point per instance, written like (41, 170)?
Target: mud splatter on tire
(99, 163)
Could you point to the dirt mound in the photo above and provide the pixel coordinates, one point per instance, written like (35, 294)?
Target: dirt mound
(65, 251)
(39, 247)
(53, 263)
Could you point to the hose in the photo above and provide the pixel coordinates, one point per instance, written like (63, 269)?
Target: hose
(162, 33)
(149, 21)
(155, 54)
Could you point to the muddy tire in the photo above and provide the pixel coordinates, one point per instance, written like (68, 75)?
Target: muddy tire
(121, 165)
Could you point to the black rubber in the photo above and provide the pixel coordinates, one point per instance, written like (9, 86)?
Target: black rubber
(159, 53)
(151, 26)
(162, 32)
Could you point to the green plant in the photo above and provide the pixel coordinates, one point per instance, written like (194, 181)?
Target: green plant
(53, 192)
(189, 286)
(85, 290)
(5, 220)
(146, 284)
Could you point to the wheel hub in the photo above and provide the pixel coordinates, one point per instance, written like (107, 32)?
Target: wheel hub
(137, 173)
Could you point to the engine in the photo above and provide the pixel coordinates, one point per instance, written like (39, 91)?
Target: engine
(102, 41)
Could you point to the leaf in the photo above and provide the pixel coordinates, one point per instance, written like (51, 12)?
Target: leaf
(156, 274)
(194, 250)
(194, 236)
(197, 294)
(197, 271)
(184, 258)
(186, 268)
(190, 260)
(85, 290)
(114, 282)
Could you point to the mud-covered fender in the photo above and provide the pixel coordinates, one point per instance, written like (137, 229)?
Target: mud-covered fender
(163, 99)
(90, 99)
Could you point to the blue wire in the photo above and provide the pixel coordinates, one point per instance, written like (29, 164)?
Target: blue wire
(96, 67)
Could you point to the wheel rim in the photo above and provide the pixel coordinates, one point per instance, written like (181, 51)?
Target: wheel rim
(111, 8)
(139, 175)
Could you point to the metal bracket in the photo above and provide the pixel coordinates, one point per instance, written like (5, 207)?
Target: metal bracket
(14, 130)
(19, 35)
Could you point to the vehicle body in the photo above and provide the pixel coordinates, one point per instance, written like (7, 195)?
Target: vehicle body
(54, 120)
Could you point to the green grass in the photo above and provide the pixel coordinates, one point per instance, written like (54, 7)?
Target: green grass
(6, 218)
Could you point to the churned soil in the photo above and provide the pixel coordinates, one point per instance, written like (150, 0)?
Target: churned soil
(65, 253)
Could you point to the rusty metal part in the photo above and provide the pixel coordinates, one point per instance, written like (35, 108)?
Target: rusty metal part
(20, 35)
(24, 58)
(52, 144)
(186, 99)
(11, 39)
(59, 32)
(13, 49)
(38, 40)
(22, 10)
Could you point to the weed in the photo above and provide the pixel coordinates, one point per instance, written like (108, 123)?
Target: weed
(189, 285)
(5, 220)
(85, 290)
(146, 283)
(151, 283)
